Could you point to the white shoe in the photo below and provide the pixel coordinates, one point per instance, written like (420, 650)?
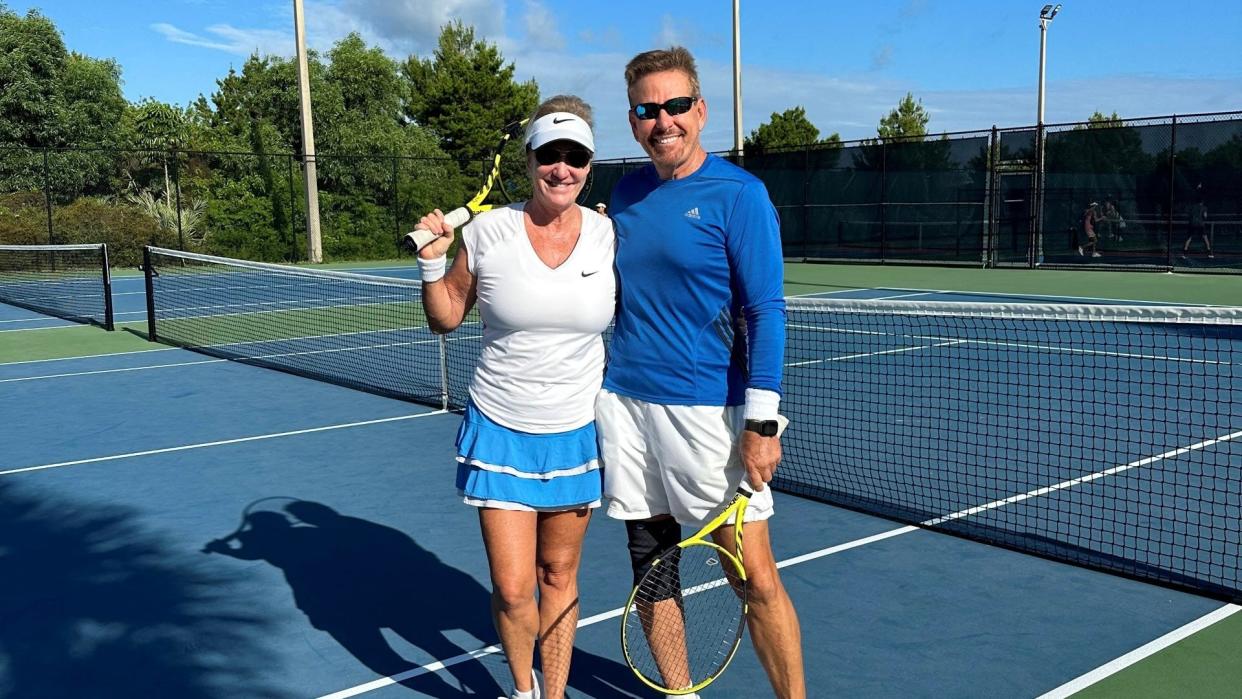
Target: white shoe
(1096, 254)
(535, 692)
(1080, 251)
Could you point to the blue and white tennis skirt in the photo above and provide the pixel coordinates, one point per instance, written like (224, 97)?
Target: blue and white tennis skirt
(507, 469)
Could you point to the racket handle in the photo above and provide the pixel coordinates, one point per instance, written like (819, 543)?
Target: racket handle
(419, 238)
(458, 217)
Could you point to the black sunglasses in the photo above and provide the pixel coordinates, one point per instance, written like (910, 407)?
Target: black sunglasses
(574, 157)
(675, 106)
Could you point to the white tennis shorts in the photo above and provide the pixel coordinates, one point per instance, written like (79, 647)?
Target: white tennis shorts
(671, 459)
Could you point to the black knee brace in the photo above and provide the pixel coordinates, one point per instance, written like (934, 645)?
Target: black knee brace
(648, 538)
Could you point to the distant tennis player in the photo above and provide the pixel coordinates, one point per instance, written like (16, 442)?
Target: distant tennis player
(541, 273)
(1090, 218)
(1196, 223)
(691, 398)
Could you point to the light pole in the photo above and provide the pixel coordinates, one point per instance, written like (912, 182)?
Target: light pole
(737, 78)
(1037, 220)
(314, 244)
(1045, 18)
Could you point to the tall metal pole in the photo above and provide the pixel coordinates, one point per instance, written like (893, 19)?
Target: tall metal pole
(314, 244)
(1036, 255)
(1043, 51)
(737, 78)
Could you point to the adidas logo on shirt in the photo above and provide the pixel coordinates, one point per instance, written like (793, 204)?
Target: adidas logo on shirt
(693, 213)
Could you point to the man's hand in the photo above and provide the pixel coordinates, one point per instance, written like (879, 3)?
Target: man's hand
(760, 455)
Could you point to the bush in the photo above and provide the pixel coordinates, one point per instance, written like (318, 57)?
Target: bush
(23, 219)
(123, 227)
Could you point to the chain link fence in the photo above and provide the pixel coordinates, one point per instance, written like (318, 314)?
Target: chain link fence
(237, 204)
(1164, 193)
(1161, 193)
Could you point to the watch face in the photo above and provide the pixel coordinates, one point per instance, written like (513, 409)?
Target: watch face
(766, 428)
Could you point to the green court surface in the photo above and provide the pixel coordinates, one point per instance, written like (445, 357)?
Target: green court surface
(1157, 287)
(1204, 665)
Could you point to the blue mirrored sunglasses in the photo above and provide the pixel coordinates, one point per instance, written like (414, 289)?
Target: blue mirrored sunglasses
(675, 106)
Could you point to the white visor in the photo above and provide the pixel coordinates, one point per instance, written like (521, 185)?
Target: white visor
(559, 126)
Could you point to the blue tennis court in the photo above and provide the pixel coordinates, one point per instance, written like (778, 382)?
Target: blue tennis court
(368, 578)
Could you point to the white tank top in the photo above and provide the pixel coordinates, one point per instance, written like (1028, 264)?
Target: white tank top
(543, 354)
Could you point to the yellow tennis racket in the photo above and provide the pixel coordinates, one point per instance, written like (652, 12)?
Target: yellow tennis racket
(685, 618)
(419, 238)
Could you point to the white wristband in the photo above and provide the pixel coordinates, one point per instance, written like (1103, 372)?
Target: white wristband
(432, 270)
(762, 404)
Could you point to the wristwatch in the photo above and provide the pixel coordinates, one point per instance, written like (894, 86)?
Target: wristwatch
(766, 428)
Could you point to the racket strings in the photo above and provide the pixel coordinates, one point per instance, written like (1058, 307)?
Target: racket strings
(687, 617)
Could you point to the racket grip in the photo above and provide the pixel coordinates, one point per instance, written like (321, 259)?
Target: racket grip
(458, 217)
(419, 238)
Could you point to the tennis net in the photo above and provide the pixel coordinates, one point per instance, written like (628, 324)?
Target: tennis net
(66, 281)
(1107, 436)
(360, 331)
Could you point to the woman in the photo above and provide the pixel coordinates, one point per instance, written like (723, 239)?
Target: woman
(541, 273)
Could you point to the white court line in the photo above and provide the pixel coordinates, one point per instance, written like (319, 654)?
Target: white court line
(905, 295)
(1038, 298)
(149, 367)
(204, 445)
(877, 353)
(997, 343)
(823, 293)
(1141, 653)
(582, 623)
(243, 359)
(89, 356)
(839, 548)
(50, 327)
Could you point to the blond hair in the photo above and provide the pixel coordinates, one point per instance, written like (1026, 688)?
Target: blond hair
(661, 60)
(565, 103)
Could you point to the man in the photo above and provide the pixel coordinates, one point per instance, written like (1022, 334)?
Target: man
(601, 209)
(692, 389)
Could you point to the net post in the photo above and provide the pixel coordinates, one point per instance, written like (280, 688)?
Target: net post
(883, 197)
(176, 175)
(990, 201)
(107, 287)
(148, 273)
(1168, 220)
(444, 386)
(47, 195)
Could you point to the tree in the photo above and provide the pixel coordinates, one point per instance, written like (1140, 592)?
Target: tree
(32, 58)
(466, 93)
(52, 98)
(1097, 120)
(908, 119)
(789, 128)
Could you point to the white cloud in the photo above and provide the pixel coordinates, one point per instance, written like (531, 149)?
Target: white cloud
(882, 58)
(399, 27)
(415, 24)
(230, 39)
(541, 29)
(669, 34)
(849, 105)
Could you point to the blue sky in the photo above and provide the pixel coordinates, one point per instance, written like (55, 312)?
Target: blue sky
(973, 63)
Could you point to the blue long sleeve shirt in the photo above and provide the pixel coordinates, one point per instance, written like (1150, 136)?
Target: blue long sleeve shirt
(695, 256)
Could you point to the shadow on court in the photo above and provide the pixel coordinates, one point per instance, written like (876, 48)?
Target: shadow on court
(354, 578)
(92, 604)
